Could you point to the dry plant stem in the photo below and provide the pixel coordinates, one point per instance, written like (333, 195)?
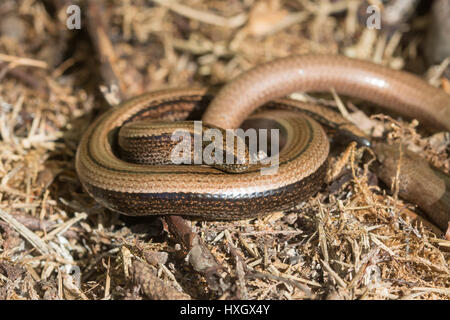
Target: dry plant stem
(37, 242)
(241, 267)
(341, 162)
(418, 219)
(203, 16)
(104, 48)
(302, 287)
(19, 61)
(63, 227)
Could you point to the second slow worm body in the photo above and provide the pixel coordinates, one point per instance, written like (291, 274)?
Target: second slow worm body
(206, 192)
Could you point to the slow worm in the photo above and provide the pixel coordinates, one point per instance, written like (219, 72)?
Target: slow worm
(210, 193)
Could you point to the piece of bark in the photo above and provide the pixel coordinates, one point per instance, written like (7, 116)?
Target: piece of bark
(199, 256)
(417, 181)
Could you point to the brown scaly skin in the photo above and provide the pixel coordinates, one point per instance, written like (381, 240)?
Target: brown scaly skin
(206, 192)
(115, 182)
(217, 207)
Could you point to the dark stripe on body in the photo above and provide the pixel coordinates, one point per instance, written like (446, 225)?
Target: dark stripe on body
(217, 207)
(115, 148)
